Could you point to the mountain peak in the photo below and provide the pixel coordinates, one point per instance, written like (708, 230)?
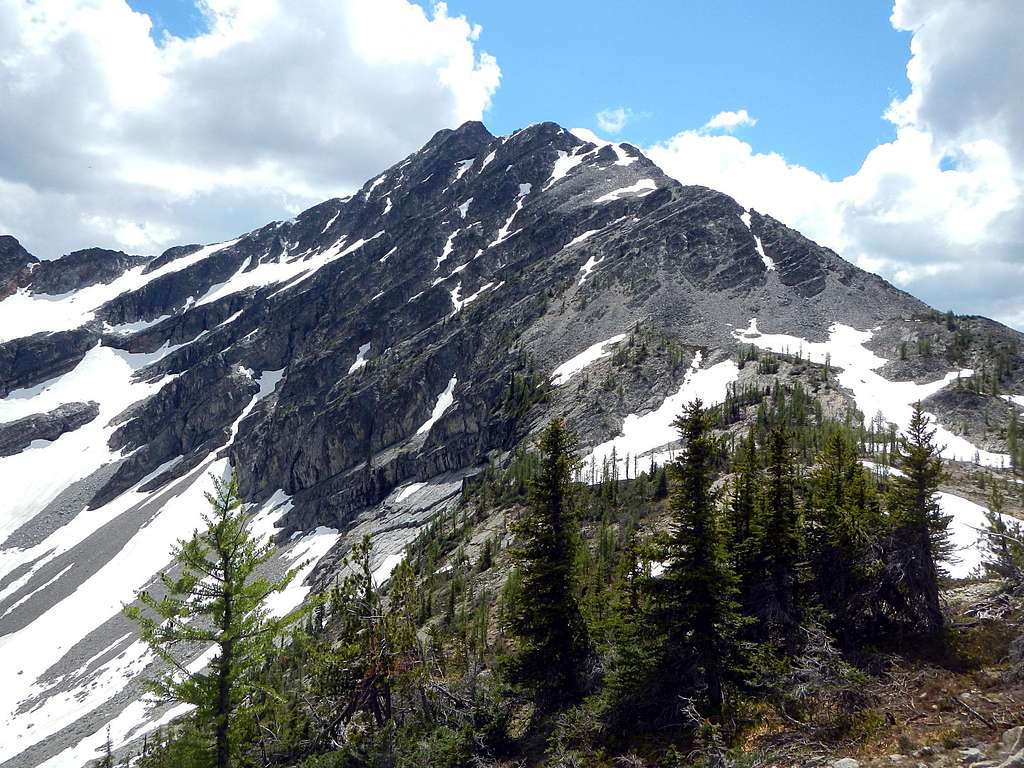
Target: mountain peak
(15, 265)
(355, 364)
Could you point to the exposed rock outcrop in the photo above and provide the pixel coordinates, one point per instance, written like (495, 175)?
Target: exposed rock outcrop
(16, 436)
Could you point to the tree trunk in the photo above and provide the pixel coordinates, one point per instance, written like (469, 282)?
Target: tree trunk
(224, 689)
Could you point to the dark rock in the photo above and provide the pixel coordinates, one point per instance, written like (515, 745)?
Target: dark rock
(31, 360)
(16, 266)
(469, 215)
(80, 269)
(982, 419)
(189, 417)
(17, 435)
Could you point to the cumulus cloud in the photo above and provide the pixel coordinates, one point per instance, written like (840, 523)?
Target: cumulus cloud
(939, 210)
(613, 120)
(113, 139)
(730, 121)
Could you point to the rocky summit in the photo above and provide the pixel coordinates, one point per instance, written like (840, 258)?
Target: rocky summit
(355, 364)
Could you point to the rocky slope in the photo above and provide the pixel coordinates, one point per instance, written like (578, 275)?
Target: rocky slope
(355, 363)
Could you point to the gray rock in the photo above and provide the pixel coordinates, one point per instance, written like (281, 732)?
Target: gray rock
(81, 269)
(17, 435)
(846, 762)
(971, 755)
(16, 266)
(1013, 739)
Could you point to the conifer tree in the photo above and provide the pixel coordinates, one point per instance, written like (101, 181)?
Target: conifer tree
(920, 527)
(743, 505)
(1004, 542)
(842, 518)
(781, 542)
(551, 638)
(633, 650)
(698, 613)
(216, 597)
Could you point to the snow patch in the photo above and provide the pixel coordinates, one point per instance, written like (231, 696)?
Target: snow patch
(588, 356)
(503, 233)
(387, 566)
(333, 219)
(449, 246)
(965, 527)
(24, 313)
(653, 431)
(360, 358)
(565, 162)
(464, 165)
(306, 552)
(104, 375)
(641, 188)
(623, 157)
(376, 183)
(873, 394)
(444, 401)
(407, 491)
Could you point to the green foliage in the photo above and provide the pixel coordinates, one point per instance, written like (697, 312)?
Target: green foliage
(1003, 542)
(551, 641)
(697, 610)
(217, 597)
(784, 561)
(920, 528)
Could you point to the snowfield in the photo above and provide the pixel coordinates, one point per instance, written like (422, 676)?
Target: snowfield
(873, 394)
(25, 313)
(104, 375)
(652, 433)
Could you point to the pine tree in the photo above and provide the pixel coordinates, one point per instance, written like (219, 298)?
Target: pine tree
(551, 638)
(919, 526)
(108, 752)
(698, 614)
(1012, 441)
(217, 598)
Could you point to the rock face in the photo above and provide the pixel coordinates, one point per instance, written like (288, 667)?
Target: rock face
(81, 269)
(15, 436)
(32, 360)
(354, 364)
(15, 266)
(482, 260)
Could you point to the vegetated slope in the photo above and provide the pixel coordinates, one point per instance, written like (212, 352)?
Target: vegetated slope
(354, 364)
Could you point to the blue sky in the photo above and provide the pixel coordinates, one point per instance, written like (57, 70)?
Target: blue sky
(817, 74)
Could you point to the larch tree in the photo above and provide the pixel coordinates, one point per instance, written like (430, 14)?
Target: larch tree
(215, 597)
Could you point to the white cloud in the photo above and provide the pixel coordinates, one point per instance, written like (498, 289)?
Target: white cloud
(730, 121)
(613, 120)
(939, 210)
(112, 139)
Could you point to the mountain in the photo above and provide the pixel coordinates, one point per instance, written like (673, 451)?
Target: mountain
(355, 364)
